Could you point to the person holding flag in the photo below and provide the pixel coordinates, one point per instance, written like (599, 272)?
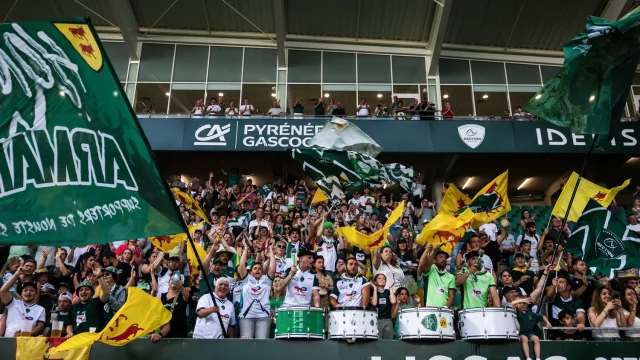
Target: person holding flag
(439, 284)
(208, 324)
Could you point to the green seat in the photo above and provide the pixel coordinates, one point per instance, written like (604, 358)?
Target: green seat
(515, 208)
(527, 207)
(538, 208)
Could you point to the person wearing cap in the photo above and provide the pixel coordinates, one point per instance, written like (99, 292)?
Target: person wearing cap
(522, 276)
(164, 274)
(351, 289)
(208, 322)
(89, 311)
(61, 272)
(559, 297)
(477, 283)
(439, 284)
(302, 285)
(61, 312)
(47, 296)
(224, 256)
(26, 309)
(326, 243)
(117, 295)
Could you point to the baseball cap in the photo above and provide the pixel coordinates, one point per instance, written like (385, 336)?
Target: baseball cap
(67, 295)
(507, 289)
(471, 254)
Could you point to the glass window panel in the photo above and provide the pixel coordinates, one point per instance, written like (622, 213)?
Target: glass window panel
(526, 89)
(454, 71)
(181, 86)
(519, 98)
(630, 106)
(338, 67)
(374, 98)
(308, 94)
(223, 86)
(522, 74)
(339, 87)
(405, 89)
(548, 72)
(486, 72)
(118, 54)
(346, 99)
(433, 93)
(460, 97)
(491, 103)
(259, 95)
(130, 89)
(223, 95)
(260, 65)
(155, 62)
(304, 66)
(183, 101)
(225, 64)
(374, 69)
(191, 63)
(282, 76)
(408, 69)
(151, 98)
(374, 87)
(133, 72)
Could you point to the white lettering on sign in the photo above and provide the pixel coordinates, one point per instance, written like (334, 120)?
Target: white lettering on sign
(284, 135)
(30, 155)
(557, 138)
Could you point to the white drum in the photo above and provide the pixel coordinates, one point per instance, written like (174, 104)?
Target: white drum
(353, 323)
(426, 323)
(488, 324)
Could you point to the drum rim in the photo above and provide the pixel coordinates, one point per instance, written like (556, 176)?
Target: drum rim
(486, 310)
(300, 308)
(368, 308)
(300, 335)
(427, 309)
(433, 336)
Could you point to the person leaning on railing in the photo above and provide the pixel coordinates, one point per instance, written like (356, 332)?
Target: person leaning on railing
(629, 305)
(606, 312)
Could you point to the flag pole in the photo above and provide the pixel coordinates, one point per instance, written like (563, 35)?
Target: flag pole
(566, 215)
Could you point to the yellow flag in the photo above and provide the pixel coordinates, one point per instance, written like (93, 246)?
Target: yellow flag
(586, 190)
(492, 201)
(453, 201)
(82, 40)
(193, 262)
(190, 203)
(319, 196)
(442, 227)
(375, 240)
(141, 314)
(38, 348)
(168, 243)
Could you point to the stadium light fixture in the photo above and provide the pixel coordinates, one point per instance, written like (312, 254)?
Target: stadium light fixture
(167, 94)
(273, 95)
(379, 96)
(592, 98)
(445, 96)
(538, 96)
(467, 183)
(220, 94)
(485, 96)
(524, 183)
(326, 95)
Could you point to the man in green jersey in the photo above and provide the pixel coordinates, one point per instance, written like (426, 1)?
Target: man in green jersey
(439, 284)
(477, 283)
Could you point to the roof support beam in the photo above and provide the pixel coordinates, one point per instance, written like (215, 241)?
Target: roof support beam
(281, 32)
(128, 25)
(613, 10)
(436, 36)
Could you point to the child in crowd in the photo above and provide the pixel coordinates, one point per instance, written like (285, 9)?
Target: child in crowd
(527, 320)
(566, 318)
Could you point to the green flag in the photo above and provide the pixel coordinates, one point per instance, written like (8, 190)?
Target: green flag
(604, 241)
(589, 94)
(75, 167)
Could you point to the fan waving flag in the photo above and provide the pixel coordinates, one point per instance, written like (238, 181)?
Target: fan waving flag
(191, 204)
(590, 92)
(586, 190)
(604, 241)
(76, 168)
(375, 240)
(453, 201)
(443, 227)
(491, 202)
(141, 314)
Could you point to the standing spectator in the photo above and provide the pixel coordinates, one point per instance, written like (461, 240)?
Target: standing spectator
(175, 300)
(298, 108)
(275, 109)
(299, 280)
(246, 109)
(385, 263)
(633, 223)
(352, 289)
(118, 293)
(319, 107)
(521, 275)
(606, 312)
(527, 320)
(581, 286)
(506, 115)
(384, 300)
(447, 113)
(631, 320)
(439, 285)
(477, 283)
(339, 110)
(381, 110)
(198, 109)
(415, 110)
(394, 106)
(417, 192)
(559, 297)
(232, 110)
(89, 311)
(324, 281)
(22, 309)
(255, 317)
(208, 322)
(363, 110)
(402, 302)
(331, 108)
(214, 108)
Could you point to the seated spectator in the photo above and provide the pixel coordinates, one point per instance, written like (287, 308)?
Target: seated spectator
(246, 109)
(633, 223)
(631, 319)
(567, 320)
(232, 110)
(214, 108)
(23, 309)
(606, 312)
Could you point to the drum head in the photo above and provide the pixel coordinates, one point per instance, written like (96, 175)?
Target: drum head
(357, 308)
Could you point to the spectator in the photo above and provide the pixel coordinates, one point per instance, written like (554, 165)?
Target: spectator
(380, 110)
(439, 285)
(298, 108)
(198, 109)
(352, 289)
(525, 218)
(394, 106)
(214, 108)
(559, 297)
(518, 113)
(331, 108)
(84, 266)
(339, 110)
(630, 316)
(255, 317)
(477, 283)
(232, 110)
(118, 293)
(319, 107)
(363, 110)
(633, 223)
(636, 208)
(415, 110)
(506, 115)
(246, 109)
(531, 236)
(522, 276)
(88, 313)
(210, 314)
(384, 300)
(528, 320)
(275, 109)
(324, 281)
(23, 309)
(606, 312)
(402, 302)
(447, 113)
(385, 263)
(299, 279)
(567, 319)
(581, 286)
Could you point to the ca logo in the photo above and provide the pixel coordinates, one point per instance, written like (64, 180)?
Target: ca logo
(214, 137)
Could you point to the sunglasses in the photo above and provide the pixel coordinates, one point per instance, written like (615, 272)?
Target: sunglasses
(340, 262)
(281, 246)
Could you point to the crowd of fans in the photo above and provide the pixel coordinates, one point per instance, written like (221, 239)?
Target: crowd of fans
(290, 255)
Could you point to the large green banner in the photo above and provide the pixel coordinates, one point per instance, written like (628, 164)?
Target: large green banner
(75, 167)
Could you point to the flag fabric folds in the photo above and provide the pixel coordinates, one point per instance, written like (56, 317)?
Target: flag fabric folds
(586, 191)
(604, 241)
(444, 226)
(491, 202)
(141, 314)
(319, 196)
(193, 262)
(38, 348)
(191, 204)
(169, 242)
(589, 94)
(76, 167)
(339, 173)
(339, 133)
(375, 240)
(241, 221)
(453, 201)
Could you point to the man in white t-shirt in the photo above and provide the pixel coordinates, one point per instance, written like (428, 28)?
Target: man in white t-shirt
(490, 229)
(369, 202)
(214, 108)
(633, 223)
(531, 236)
(20, 310)
(208, 322)
(358, 201)
(246, 109)
(302, 285)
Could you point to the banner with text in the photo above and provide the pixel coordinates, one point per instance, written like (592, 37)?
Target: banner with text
(75, 167)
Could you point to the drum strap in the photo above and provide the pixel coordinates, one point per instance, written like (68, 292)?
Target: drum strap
(244, 314)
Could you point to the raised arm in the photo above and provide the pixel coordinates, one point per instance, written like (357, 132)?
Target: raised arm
(272, 264)
(426, 260)
(5, 295)
(242, 266)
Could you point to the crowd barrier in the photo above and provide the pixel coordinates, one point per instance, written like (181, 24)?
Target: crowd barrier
(233, 349)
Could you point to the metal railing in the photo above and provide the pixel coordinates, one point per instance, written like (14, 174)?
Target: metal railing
(588, 328)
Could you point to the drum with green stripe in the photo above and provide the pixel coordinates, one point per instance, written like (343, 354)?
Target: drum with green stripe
(300, 322)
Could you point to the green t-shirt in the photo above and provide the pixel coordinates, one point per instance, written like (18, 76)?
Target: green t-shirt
(85, 316)
(436, 286)
(527, 285)
(527, 321)
(476, 293)
(202, 284)
(228, 272)
(234, 179)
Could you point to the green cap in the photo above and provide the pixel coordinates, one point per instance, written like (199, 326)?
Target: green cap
(84, 283)
(327, 224)
(111, 269)
(144, 286)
